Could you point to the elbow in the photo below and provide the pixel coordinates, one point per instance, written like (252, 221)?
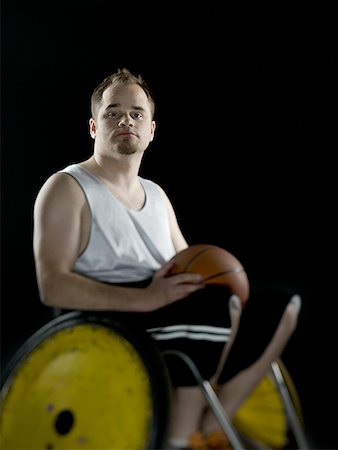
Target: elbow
(45, 297)
(46, 300)
(48, 292)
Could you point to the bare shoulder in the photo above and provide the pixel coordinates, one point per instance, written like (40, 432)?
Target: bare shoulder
(163, 193)
(166, 200)
(177, 236)
(60, 188)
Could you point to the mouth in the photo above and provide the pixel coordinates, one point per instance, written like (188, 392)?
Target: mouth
(126, 134)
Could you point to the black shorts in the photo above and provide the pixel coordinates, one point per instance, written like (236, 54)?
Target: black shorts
(199, 326)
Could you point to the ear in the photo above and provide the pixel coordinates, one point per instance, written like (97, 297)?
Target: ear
(92, 128)
(153, 128)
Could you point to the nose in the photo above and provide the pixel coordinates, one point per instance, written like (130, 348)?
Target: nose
(125, 121)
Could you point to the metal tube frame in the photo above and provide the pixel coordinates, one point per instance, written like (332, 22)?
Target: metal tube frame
(224, 420)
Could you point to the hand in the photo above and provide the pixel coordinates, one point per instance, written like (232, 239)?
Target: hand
(165, 289)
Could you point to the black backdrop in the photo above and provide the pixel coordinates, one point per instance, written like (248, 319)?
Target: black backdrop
(247, 129)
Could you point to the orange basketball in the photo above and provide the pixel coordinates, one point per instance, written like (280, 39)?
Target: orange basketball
(216, 265)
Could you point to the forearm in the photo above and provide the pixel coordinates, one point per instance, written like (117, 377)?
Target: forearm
(73, 291)
(68, 290)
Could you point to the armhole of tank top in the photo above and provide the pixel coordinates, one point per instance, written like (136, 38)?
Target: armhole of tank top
(90, 212)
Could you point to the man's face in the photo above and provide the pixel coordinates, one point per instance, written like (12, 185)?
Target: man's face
(124, 123)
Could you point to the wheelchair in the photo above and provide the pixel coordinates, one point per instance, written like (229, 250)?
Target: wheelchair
(83, 381)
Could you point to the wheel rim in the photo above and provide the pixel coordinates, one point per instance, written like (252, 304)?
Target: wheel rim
(81, 383)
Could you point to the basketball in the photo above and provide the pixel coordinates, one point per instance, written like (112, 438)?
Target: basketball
(216, 265)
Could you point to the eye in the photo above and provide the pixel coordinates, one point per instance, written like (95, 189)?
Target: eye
(113, 114)
(136, 115)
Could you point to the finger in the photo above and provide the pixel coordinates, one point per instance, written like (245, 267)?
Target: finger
(163, 271)
(186, 278)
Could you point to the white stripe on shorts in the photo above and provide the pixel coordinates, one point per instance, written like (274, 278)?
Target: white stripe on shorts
(195, 332)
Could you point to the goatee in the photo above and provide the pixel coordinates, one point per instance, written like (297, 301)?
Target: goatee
(125, 148)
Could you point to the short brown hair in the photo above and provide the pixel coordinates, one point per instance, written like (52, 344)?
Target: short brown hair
(123, 77)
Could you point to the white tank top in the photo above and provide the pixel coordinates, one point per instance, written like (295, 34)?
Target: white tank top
(124, 245)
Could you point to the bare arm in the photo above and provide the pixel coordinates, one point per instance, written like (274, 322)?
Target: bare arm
(60, 214)
(176, 234)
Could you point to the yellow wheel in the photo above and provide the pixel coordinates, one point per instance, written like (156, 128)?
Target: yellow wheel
(262, 419)
(85, 382)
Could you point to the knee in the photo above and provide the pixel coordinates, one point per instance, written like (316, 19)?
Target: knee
(291, 313)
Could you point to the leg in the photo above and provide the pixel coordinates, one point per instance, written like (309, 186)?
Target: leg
(238, 388)
(189, 403)
(187, 408)
(235, 310)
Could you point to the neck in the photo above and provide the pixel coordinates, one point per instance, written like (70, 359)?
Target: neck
(122, 171)
(122, 180)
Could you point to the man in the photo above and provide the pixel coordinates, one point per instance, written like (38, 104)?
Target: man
(103, 241)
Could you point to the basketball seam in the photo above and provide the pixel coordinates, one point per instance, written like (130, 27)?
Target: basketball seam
(203, 250)
(237, 270)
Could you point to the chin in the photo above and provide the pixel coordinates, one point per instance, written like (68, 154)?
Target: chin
(126, 149)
